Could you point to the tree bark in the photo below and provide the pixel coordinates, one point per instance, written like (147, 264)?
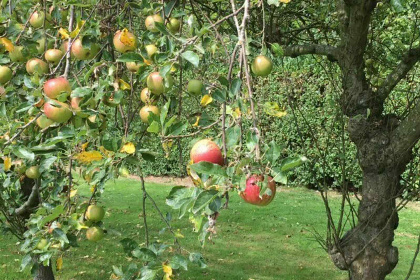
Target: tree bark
(45, 273)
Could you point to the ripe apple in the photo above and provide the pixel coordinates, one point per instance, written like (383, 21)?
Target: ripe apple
(56, 86)
(132, 66)
(42, 244)
(64, 47)
(206, 150)
(94, 234)
(36, 65)
(150, 22)
(53, 56)
(95, 213)
(57, 111)
(82, 53)
(145, 111)
(37, 19)
(262, 66)
(44, 122)
(121, 45)
(252, 193)
(151, 50)
(33, 172)
(75, 103)
(5, 74)
(174, 25)
(157, 84)
(195, 87)
(16, 55)
(145, 96)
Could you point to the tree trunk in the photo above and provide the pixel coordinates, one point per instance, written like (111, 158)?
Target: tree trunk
(45, 273)
(367, 248)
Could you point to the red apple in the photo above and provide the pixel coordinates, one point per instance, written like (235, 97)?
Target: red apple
(206, 150)
(252, 194)
(150, 22)
(57, 111)
(126, 43)
(37, 19)
(82, 53)
(43, 122)
(157, 84)
(145, 111)
(36, 65)
(54, 87)
(53, 56)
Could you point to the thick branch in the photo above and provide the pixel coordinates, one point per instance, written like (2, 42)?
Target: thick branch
(297, 50)
(32, 201)
(406, 135)
(406, 64)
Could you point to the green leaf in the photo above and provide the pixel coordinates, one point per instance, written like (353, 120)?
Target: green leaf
(46, 163)
(178, 196)
(60, 235)
(273, 2)
(130, 57)
(153, 127)
(208, 168)
(177, 128)
(203, 199)
(273, 152)
(27, 259)
(22, 152)
(162, 28)
(279, 176)
(236, 86)
(277, 49)
(233, 135)
(164, 112)
(179, 261)
(291, 163)
(398, 6)
(144, 254)
(198, 259)
(54, 215)
(192, 57)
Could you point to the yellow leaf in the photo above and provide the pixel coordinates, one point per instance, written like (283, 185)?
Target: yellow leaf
(92, 189)
(206, 100)
(7, 44)
(128, 148)
(196, 121)
(64, 33)
(124, 85)
(59, 263)
(179, 234)
(76, 31)
(168, 271)
(127, 40)
(73, 193)
(88, 157)
(285, 1)
(84, 146)
(147, 62)
(7, 163)
(273, 109)
(237, 113)
(105, 151)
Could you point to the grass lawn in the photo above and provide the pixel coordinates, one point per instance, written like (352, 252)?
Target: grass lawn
(273, 242)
